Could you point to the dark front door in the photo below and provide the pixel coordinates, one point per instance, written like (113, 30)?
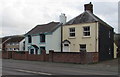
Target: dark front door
(32, 51)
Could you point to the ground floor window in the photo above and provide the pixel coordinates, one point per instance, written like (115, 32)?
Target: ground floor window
(31, 51)
(82, 47)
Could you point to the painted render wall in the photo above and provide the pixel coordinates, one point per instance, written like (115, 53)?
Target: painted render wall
(21, 45)
(115, 50)
(26, 43)
(35, 41)
(53, 41)
(91, 42)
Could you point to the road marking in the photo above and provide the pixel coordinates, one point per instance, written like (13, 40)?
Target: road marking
(27, 71)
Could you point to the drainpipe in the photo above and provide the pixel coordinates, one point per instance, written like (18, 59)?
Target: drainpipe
(63, 19)
(97, 37)
(96, 34)
(61, 37)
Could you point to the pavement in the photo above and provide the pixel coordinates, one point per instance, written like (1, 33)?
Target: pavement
(21, 67)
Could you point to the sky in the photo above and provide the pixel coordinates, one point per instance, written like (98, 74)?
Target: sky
(19, 16)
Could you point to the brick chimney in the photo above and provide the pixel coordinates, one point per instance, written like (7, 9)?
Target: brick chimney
(88, 7)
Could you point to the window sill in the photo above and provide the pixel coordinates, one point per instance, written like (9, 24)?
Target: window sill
(86, 37)
(42, 42)
(71, 37)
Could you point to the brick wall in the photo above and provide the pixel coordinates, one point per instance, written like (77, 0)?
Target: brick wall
(74, 57)
(6, 54)
(92, 57)
(35, 57)
(69, 57)
(66, 57)
(19, 55)
(41, 57)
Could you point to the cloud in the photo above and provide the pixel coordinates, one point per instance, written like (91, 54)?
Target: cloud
(19, 16)
(107, 11)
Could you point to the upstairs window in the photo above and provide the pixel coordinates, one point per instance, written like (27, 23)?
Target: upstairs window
(86, 31)
(72, 32)
(42, 38)
(82, 47)
(29, 39)
(109, 34)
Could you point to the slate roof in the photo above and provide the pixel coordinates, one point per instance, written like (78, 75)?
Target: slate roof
(86, 17)
(45, 28)
(15, 39)
(9, 39)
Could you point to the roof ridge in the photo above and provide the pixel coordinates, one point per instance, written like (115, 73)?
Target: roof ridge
(47, 23)
(57, 25)
(82, 14)
(80, 17)
(44, 28)
(91, 14)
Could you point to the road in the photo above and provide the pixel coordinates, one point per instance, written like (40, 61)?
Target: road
(20, 67)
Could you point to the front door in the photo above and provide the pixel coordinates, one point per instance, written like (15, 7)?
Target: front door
(66, 48)
(31, 51)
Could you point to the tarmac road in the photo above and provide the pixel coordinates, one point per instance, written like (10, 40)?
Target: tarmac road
(20, 67)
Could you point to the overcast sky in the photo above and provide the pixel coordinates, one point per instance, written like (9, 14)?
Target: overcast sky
(19, 16)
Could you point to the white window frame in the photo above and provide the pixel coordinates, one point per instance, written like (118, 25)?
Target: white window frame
(82, 49)
(86, 31)
(70, 32)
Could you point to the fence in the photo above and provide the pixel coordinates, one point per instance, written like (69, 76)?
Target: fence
(69, 57)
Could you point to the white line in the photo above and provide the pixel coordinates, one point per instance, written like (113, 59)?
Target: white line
(32, 72)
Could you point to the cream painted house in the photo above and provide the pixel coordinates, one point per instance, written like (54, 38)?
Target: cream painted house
(116, 45)
(88, 33)
(115, 50)
(79, 38)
